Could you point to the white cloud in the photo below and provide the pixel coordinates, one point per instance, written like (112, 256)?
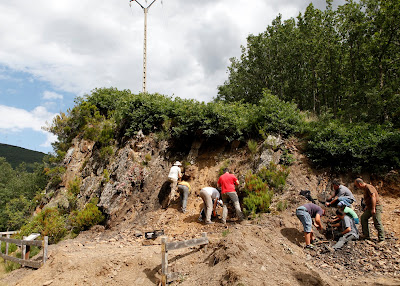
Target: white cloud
(16, 120)
(51, 138)
(79, 45)
(50, 95)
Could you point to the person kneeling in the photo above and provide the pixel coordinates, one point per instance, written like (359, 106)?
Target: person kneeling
(349, 230)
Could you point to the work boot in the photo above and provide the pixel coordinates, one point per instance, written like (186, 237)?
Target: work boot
(209, 222)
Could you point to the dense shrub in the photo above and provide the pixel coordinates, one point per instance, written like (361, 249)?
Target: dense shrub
(354, 147)
(260, 187)
(108, 112)
(86, 218)
(49, 222)
(55, 175)
(275, 176)
(74, 186)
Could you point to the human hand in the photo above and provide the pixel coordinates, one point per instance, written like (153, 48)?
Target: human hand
(373, 211)
(327, 204)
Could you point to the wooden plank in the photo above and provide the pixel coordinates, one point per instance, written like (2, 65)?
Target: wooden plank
(7, 236)
(171, 277)
(32, 236)
(23, 255)
(28, 263)
(186, 243)
(164, 261)
(21, 242)
(45, 245)
(8, 232)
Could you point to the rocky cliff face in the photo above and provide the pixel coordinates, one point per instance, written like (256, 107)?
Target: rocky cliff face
(132, 181)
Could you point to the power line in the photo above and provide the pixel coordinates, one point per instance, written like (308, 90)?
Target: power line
(145, 10)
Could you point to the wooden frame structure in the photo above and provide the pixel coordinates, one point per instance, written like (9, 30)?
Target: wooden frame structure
(166, 246)
(25, 246)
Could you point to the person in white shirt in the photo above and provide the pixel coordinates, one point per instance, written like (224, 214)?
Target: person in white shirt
(174, 175)
(209, 194)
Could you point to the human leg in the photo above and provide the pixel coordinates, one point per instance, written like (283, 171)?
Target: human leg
(364, 222)
(346, 201)
(377, 217)
(173, 184)
(225, 200)
(235, 199)
(207, 204)
(306, 220)
(184, 194)
(343, 240)
(307, 237)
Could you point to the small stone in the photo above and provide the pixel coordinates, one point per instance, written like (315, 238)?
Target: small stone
(263, 268)
(47, 283)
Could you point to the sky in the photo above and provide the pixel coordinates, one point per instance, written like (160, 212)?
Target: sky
(53, 51)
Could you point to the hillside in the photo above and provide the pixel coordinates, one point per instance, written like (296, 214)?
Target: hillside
(265, 250)
(17, 155)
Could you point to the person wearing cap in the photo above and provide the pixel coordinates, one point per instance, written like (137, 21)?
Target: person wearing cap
(373, 208)
(227, 184)
(210, 197)
(305, 214)
(342, 194)
(174, 175)
(348, 229)
(184, 191)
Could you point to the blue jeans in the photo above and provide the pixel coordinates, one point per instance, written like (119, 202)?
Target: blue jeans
(346, 201)
(305, 218)
(184, 194)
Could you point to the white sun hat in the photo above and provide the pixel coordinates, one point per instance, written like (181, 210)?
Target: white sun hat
(177, 163)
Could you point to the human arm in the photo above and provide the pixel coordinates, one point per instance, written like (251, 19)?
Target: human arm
(346, 230)
(333, 194)
(373, 203)
(333, 201)
(334, 220)
(318, 223)
(215, 207)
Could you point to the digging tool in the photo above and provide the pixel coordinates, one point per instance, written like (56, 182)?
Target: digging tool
(154, 234)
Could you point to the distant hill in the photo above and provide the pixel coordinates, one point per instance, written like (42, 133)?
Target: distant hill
(16, 155)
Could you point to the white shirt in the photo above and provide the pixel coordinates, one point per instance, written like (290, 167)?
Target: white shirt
(213, 192)
(175, 172)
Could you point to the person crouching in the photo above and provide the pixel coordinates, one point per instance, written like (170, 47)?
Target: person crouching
(348, 227)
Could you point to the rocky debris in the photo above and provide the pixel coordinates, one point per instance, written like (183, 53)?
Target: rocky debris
(268, 156)
(358, 258)
(273, 141)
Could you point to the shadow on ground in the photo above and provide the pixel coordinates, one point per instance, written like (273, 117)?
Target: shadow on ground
(293, 235)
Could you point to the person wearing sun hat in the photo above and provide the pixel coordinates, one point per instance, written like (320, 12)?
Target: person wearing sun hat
(174, 175)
